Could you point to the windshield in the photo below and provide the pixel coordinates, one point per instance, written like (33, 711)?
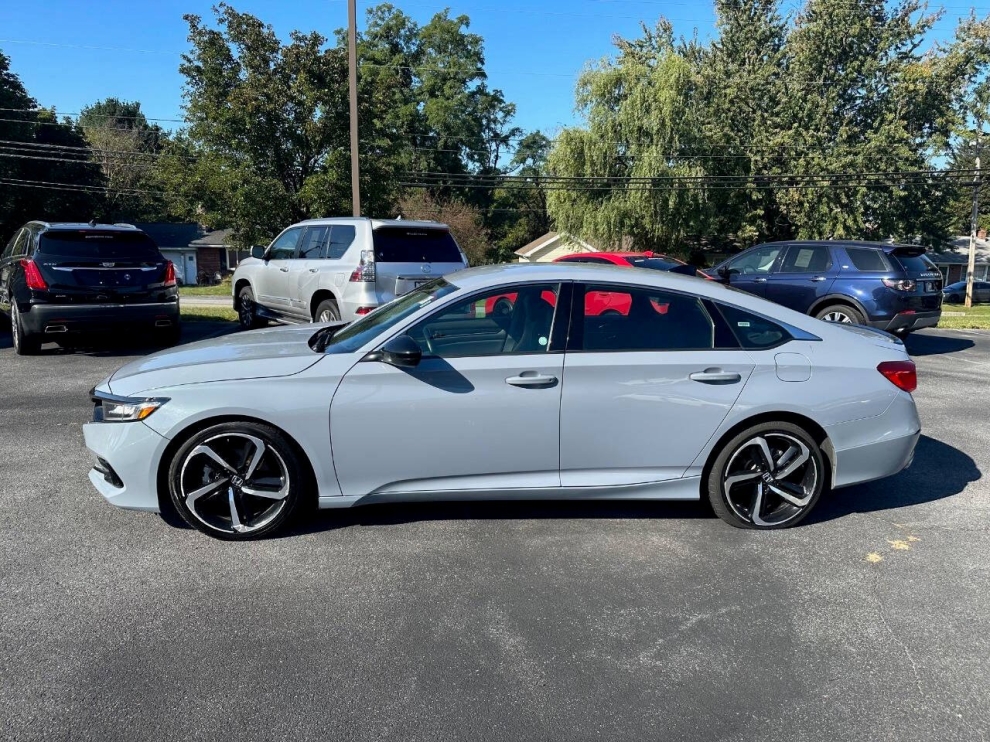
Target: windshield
(357, 334)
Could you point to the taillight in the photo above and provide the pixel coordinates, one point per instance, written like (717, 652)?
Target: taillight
(364, 310)
(169, 274)
(366, 268)
(900, 285)
(35, 281)
(902, 374)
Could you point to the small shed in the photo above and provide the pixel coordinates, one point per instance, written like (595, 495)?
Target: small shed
(193, 248)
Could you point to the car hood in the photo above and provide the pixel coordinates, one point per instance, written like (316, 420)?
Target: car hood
(279, 351)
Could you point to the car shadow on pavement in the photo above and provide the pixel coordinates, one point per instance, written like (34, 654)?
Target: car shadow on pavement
(124, 344)
(390, 514)
(922, 344)
(938, 471)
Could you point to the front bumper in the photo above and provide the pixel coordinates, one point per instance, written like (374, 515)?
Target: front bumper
(131, 452)
(913, 321)
(55, 319)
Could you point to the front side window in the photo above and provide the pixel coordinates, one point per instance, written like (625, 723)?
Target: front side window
(499, 321)
(755, 262)
(642, 319)
(753, 331)
(313, 243)
(806, 259)
(361, 332)
(284, 247)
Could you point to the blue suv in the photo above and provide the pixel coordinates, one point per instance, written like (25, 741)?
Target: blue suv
(892, 287)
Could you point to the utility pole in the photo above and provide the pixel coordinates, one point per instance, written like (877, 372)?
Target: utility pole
(352, 85)
(973, 225)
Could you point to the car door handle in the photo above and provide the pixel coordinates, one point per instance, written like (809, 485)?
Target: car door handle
(284, 270)
(715, 376)
(759, 280)
(532, 380)
(818, 279)
(314, 270)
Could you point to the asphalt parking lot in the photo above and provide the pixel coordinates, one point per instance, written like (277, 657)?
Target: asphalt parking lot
(493, 620)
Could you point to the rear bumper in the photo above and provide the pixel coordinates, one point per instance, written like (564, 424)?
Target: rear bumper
(56, 319)
(913, 321)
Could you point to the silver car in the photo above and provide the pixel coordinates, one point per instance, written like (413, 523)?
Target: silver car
(325, 270)
(512, 382)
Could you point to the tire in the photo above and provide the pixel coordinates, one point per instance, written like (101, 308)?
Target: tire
(326, 311)
(842, 313)
(247, 318)
(502, 308)
(220, 499)
(610, 313)
(953, 299)
(25, 343)
(743, 486)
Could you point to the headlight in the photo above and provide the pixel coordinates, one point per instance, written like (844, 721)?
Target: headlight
(113, 409)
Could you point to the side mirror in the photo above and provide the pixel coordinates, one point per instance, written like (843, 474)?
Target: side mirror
(258, 252)
(724, 273)
(402, 352)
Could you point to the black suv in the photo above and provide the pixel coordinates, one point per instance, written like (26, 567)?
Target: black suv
(60, 279)
(891, 287)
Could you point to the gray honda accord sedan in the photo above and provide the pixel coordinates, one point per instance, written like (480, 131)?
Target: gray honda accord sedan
(513, 381)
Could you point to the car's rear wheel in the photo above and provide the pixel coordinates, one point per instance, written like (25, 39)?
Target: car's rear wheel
(326, 311)
(247, 315)
(953, 299)
(25, 343)
(768, 476)
(841, 313)
(237, 480)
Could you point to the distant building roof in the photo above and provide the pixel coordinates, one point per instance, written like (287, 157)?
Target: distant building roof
(956, 252)
(188, 234)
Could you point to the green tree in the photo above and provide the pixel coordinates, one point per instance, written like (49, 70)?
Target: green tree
(126, 147)
(45, 172)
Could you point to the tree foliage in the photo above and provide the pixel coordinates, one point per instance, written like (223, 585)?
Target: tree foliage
(32, 141)
(845, 86)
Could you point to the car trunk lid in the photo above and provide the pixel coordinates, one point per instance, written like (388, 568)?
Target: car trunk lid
(927, 293)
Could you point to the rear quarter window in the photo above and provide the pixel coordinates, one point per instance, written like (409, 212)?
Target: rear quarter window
(867, 259)
(95, 245)
(415, 245)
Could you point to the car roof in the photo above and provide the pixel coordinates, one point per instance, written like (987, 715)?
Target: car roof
(76, 226)
(885, 246)
(376, 223)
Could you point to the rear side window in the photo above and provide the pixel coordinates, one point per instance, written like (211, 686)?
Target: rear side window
(866, 259)
(751, 330)
(92, 244)
(656, 264)
(313, 241)
(634, 319)
(915, 263)
(415, 245)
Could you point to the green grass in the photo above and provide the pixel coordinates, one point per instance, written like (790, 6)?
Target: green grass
(975, 318)
(208, 314)
(221, 289)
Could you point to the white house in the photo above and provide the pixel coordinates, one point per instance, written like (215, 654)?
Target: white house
(953, 259)
(551, 246)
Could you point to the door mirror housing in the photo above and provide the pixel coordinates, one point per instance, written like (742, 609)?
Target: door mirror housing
(258, 252)
(402, 352)
(725, 273)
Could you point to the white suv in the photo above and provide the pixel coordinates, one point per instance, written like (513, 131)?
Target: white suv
(324, 270)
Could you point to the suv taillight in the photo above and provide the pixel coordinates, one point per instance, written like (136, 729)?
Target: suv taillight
(902, 374)
(35, 281)
(366, 268)
(905, 284)
(169, 274)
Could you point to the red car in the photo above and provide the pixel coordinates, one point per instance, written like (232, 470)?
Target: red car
(607, 302)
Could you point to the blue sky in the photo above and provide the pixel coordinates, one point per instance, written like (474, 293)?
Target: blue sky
(534, 48)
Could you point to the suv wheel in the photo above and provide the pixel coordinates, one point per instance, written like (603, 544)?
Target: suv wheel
(842, 313)
(246, 316)
(25, 343)
(326, 311)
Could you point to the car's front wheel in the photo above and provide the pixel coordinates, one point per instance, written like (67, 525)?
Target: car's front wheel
(25, 342)
(237, 481)
(768, 476)
(841, 313)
